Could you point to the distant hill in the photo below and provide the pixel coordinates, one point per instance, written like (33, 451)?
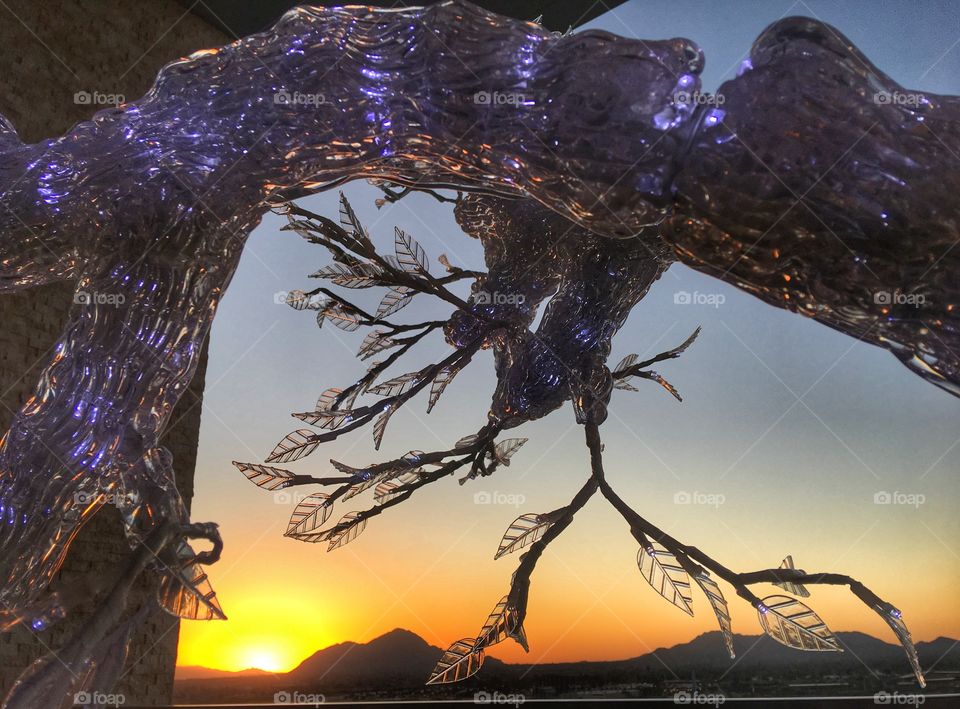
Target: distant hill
(756, 653)
(399, 656)
(197, 672)
(398, 663)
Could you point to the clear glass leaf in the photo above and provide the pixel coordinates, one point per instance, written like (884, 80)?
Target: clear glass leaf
(331, 420)
(409, 477)
(185, 591)
(297, 299)
(309, 514)
(466, 441)
(460, 661)
(351, 223)
(265, 476)
(502, 623)
(328, 398)
(653, 376)
(348, 529)
(344, 468)
(361, 275)
(662, 571)
(297, 444)
(894, 618)
(395, 299)
(791, 623)
(625, 363)
(505, 449)
(380, 426)
(412, 257)
(523, 531)
(397, 385)
(384, 492)
(796, 589)
(348, 322)
(375, 341)
(440, 382)
(365, 485)
(719, 604)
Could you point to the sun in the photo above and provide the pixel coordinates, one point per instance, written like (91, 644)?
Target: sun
(261, 659)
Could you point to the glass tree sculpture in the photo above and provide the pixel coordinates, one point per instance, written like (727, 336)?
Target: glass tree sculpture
(592, 284)
(811, 188)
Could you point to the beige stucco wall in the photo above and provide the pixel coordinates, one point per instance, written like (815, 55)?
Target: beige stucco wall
(49, 50)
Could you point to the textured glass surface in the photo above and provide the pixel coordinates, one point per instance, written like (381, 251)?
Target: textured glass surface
(593, 282)
(843, 207)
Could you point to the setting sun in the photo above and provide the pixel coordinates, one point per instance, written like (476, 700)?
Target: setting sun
(260, 659)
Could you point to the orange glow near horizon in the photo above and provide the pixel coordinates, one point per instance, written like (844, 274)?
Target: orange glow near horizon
(598, 632)
(588, 601)
(263, 660)
(252, 639)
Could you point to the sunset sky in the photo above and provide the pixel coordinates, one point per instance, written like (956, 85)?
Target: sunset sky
(796, 426)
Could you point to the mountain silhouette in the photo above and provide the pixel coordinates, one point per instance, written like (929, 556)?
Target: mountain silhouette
(199, 672)
(399, 663)
(399, 656)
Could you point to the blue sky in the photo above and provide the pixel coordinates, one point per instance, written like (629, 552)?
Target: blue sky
(796, 426)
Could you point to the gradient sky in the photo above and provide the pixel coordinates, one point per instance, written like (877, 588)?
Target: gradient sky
(794, 424)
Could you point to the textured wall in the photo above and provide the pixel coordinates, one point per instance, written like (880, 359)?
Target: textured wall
(49, 51)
